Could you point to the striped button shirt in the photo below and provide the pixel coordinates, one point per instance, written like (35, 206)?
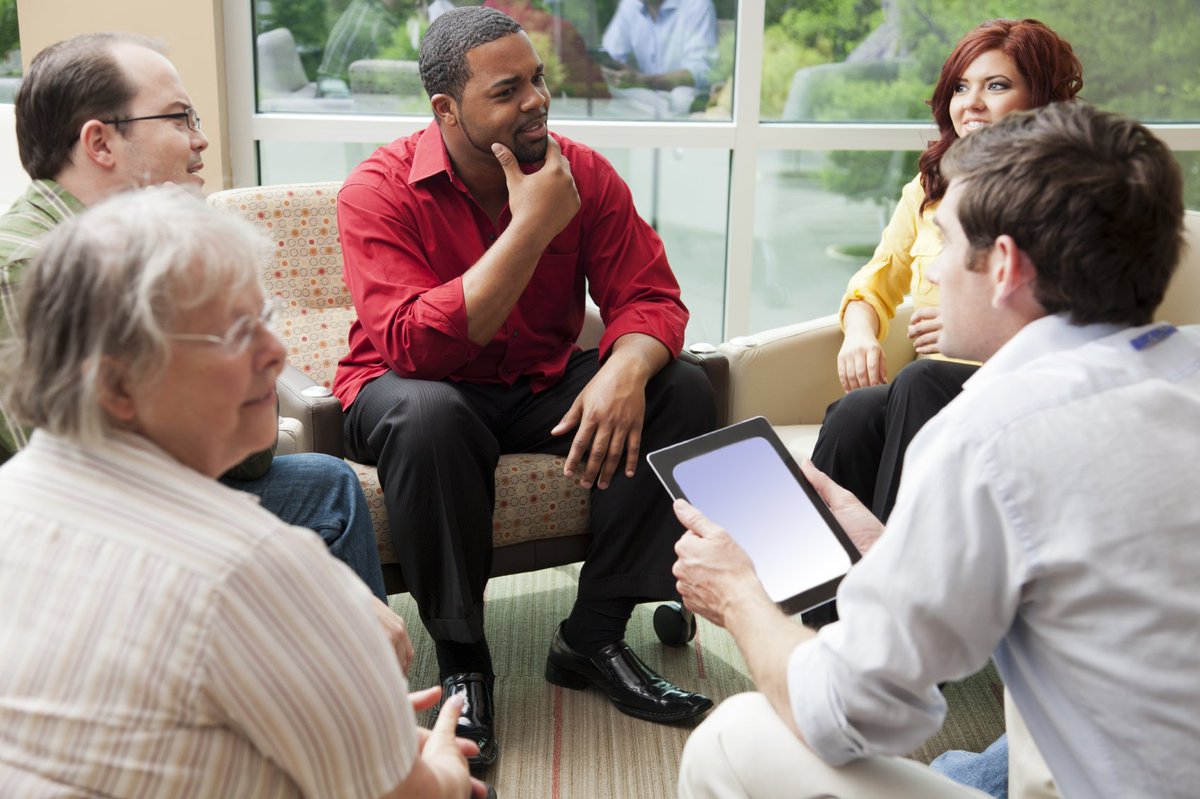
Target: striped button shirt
(44, 205)
(161, 635)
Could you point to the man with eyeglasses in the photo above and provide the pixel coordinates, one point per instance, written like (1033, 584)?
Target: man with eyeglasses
(104, 113)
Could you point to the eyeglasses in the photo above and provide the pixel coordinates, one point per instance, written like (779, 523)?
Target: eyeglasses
(188, 114)
(239, 335)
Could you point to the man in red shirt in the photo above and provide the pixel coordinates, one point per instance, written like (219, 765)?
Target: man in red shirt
(468, 247)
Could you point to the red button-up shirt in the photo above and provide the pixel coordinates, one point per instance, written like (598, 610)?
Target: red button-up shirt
(410, 229)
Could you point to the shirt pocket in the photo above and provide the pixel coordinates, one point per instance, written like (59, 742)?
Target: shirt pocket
(926, 248)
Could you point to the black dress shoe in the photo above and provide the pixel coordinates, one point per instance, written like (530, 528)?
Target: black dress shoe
(475, 721)
(627, 681)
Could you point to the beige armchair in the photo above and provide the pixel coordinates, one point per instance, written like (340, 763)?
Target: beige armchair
(789, 374)
(540, 517)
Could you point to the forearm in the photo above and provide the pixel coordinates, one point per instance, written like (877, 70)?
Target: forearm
(493, 285)
(666, 81)
(641, 356)
(860, 319)
(766, 639)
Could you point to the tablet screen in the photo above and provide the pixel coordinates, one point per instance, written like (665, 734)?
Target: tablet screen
(748, 490)
(742, 478)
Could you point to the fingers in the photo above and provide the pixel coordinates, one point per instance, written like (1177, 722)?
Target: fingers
(577, 455)
(828, 490)
(425, 699)
(479, 789)
(694, 520)
(876, 367)
(554, 154)
(447, 718)
(599, 453)
(633, 449)
(508, 162)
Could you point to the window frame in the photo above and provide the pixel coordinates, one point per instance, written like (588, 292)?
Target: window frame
(744, 136)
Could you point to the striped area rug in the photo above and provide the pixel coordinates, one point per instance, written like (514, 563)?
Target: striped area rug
(562, 744)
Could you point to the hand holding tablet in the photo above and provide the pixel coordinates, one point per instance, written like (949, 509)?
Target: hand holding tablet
(743, 479)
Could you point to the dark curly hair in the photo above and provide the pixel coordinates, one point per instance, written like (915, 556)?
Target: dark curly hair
(1046, 61)
(443, 57)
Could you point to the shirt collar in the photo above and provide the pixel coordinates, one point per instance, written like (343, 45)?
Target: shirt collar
(51, 198)
(668, 5)
(430, 158)
(1040, 337)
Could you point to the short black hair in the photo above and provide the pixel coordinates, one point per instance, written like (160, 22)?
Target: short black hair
(1092, 197)
(443, 57)
(68, 84)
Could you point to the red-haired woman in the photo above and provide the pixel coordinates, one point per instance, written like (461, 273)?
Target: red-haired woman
(999, 67)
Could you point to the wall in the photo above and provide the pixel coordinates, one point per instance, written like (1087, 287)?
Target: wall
(193, 33)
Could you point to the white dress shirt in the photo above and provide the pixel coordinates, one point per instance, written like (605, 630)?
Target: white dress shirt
(684, 36)
(162, 635)
(1047, 517)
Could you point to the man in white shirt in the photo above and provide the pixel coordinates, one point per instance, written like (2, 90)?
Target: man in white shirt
(662, 45)
(1045, 516)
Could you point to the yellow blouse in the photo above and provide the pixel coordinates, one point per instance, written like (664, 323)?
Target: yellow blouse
(910, 243)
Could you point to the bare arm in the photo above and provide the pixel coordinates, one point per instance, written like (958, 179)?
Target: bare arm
(861, 361)
(716, 579)
(610, 410)
(542, 204)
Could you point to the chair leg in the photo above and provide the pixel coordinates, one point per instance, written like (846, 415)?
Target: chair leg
(674, 624)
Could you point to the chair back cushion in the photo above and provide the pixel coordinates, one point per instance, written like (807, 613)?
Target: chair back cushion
(1181, 305)
(303, 267)
(279, 68)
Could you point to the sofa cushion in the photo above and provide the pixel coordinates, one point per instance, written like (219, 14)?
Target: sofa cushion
(798, 438)
(533, 501)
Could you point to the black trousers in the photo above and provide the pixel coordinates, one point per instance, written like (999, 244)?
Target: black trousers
(867, 432)
(436, 445)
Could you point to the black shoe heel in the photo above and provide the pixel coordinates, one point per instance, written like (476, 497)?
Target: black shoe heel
(564, 678)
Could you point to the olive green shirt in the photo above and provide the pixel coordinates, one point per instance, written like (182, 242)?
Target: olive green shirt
(44, 205)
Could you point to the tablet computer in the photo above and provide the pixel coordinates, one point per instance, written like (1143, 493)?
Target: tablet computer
(744, 479)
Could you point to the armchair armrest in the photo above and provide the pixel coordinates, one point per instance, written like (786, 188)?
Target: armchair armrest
(716, 367)
(789, 374)
(319, 412)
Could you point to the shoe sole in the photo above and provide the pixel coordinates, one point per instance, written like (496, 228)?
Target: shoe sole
(574, 681)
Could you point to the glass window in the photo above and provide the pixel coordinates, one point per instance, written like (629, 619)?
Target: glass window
(609, 59)
(878, 60)
(819, 216)
(681, 192)
(10, 51)
(1189, 163)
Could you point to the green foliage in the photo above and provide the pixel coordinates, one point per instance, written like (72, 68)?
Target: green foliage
(831, 27)
(308, 20)
(556, 73)
(1139, 59)
(10, 35)
(782, 56)
(401, 47)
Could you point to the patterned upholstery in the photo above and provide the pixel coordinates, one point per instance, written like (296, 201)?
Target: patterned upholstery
(304, 267)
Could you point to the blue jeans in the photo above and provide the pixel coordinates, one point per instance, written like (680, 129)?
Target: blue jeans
(322, 493)
(986, 771)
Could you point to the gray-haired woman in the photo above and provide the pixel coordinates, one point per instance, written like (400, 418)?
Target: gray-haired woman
(161, 634)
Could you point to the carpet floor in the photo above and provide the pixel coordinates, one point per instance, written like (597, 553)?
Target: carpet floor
(562, 744)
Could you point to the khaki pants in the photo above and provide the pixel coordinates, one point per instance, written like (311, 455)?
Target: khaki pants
(745, 750)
